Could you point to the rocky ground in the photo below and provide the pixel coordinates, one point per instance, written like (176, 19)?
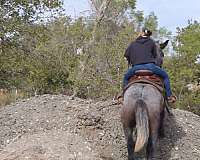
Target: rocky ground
(55, 127)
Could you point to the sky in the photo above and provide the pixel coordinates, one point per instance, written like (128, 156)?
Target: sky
(171, 13)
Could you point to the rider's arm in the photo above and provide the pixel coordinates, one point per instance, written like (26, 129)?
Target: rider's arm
(154, 51)
(127, 54)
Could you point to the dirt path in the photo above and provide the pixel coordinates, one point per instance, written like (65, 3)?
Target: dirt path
(57, 128)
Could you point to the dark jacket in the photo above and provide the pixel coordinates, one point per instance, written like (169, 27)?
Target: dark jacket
(142, 50)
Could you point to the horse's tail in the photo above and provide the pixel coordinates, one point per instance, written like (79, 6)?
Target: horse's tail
(142, 125)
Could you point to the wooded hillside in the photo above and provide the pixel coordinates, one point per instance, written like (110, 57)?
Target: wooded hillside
(44, 51)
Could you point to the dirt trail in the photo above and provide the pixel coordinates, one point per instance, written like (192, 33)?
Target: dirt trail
(55, 127)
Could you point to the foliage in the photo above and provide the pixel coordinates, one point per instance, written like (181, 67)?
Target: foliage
(184, 68)
(151, 22)
(19, 34)
(85, 56)
(16, 15)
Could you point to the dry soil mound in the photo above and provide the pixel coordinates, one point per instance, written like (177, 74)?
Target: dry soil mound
(58, 128)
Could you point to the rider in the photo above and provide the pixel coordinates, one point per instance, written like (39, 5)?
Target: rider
(141, 54)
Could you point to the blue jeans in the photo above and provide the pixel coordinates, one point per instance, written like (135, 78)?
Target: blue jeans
(155, 69)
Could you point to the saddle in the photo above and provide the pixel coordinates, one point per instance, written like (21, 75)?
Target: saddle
(147, 76)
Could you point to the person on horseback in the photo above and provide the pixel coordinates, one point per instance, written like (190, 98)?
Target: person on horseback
(142, 54)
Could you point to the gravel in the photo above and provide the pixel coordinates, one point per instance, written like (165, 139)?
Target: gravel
(57, 127)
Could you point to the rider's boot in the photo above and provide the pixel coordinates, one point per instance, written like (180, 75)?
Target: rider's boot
(171, 99)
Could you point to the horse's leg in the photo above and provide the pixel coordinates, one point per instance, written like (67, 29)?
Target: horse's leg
(151, 146)
(128, 131)
(161, 128)
(153, 137)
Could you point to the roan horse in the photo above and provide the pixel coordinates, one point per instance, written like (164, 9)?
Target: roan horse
(143, 109)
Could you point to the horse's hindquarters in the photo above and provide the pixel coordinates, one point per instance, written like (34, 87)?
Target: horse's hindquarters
(146, 92)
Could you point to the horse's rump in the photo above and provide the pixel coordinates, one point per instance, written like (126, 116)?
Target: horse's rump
(152, 96)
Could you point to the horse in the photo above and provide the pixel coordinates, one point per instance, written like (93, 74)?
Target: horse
(143, 109)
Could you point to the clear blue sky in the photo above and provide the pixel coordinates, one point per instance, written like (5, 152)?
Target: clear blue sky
(170, 13)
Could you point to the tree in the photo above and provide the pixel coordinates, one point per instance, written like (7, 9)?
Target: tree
(16, 14)
(183, 66)
(111, 9)
(151, 22)
(19, 23)
(139, 19)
